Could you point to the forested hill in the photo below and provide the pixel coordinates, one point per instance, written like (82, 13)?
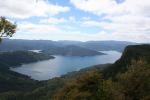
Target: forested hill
(72, 50)
(19, 57)
(131, 54)
(126, 79)
(135, 52)
(19, 44)
(10, 80)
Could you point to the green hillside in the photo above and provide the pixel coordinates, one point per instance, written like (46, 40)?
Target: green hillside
(10, 80)
(18, 57)
(131, 54)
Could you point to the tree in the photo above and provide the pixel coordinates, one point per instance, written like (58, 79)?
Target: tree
(7, 28)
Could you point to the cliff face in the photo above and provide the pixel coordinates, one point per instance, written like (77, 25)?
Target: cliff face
(130, 54)
(135, 53)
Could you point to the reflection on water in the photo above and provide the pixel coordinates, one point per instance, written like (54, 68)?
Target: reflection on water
(47, 69)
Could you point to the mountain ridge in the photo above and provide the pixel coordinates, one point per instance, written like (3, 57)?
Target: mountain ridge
(18, 44)
(72, 50)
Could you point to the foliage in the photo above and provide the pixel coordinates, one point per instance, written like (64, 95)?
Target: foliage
(134, 84)
(84, 87)
(136, 81)
(18, 57)
(10, 80)
(130, 81)
(7, 29)
(131, 53)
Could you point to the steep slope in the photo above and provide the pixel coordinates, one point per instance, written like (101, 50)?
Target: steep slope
(131, 54)
(133, 84)
(12, 81)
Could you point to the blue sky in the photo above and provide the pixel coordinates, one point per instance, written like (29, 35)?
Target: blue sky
(84, 20)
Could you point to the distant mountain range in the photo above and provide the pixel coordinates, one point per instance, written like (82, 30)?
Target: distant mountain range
(72, 50)
(18, 44)
(100, 45)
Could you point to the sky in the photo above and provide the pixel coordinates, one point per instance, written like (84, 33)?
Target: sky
(81, 20)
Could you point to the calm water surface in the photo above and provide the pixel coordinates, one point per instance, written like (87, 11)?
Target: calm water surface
(47, 69)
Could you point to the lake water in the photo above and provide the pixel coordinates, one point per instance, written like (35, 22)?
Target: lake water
(47, 69)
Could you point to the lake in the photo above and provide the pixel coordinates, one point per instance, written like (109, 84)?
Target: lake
(47, 69)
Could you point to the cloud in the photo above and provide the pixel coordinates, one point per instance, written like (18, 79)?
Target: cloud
(90, 23)
(53, 20)
(51, 32)
(37, 28)
(128, 24)
(112, 7)
(29, 8)
(95, 6)
(85, 18)
(128, 19)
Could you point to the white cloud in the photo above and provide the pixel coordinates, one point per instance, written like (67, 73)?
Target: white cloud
(29, 8)
(85, 18)
(130, 20)
(124, 37)
(76, 35)
(50, 32)
(111, 7)
(37, 28)
(95, 6)
(128, 24)
(53, 20)
(91, 23)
